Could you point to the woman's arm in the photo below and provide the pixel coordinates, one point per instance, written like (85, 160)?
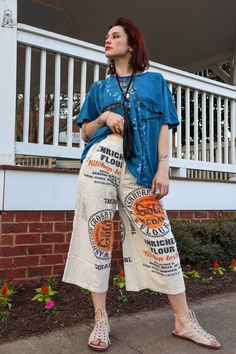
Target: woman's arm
(160, 182)
(111, 119)
(88, 128)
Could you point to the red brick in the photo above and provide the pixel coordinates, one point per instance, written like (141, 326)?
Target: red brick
(40, 227)
(69, 215)
(117, 245)
(173, 214)
(66, 226)
(68, 237)
(26, 261)
(53, 237)
(116, 225)
(117, 254)
(200, 214)
(7, 240)
(58, 269)
(117, 235)
(13, 251)
(116, 215)
(186, 214)
(17, 273)
(8, 216)
(39, 271)
(28, 216)
(213, 214)
(15, 228)
(228, 214)
(61, 248)
(27, 239)
(53, 216)
(5, 262)
(52, 259)
(116, 264)
(39, 249)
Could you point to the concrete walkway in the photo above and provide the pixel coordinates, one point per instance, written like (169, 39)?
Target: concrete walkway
(143, 333)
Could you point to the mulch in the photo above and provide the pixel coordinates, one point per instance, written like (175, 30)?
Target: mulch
(28, 318)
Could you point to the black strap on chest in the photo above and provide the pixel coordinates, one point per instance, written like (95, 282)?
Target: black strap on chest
(127, 139)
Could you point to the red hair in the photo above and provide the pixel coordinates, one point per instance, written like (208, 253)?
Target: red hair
(139, 59)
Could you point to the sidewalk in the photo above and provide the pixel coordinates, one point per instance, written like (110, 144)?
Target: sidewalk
(142, 333)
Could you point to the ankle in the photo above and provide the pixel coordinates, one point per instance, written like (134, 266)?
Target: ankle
(181, 320)
(100, 314)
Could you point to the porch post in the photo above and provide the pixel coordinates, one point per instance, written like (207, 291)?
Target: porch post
(8, 62)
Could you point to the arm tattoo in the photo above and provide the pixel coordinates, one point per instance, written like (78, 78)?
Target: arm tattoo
(100, 122)
(163, 157)
(86, 137)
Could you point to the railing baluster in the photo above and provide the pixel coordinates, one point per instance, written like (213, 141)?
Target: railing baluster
(42, 96)
(211, 113)
(187, 123)
(196, 125)
(83, 82)
(57, 86)
(226, 130)
(219, 145)
(170, 131)
(233, 127)
(179, 143)
(96, 72)
(70, 101)
(27, 94)
(204, 126)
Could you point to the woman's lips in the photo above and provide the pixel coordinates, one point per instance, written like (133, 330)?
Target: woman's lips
(107, 48)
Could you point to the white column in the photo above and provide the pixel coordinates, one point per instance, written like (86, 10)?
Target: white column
(8, 60)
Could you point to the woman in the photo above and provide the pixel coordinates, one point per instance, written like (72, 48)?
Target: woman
(125, 121)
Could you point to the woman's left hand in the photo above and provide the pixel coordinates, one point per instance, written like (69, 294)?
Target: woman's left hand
(160, 184)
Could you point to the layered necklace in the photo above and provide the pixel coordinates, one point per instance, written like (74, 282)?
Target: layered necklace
(127, 140)
(122, 85)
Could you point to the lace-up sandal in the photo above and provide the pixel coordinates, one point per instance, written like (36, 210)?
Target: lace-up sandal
(99, 338)
(192, 331)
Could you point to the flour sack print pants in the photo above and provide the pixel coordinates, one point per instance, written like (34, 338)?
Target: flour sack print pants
(151, 260)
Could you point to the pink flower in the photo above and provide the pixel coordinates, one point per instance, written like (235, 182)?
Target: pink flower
(49, 304)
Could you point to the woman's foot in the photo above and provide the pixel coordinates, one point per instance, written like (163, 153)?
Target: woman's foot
(188, 328)
(99, 338)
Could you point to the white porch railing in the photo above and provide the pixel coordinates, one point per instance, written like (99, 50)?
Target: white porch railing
(205, 139)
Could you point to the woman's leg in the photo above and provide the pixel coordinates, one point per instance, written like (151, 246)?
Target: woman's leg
(99, 304)
(179, 306)
(183, 320)
(99, 300)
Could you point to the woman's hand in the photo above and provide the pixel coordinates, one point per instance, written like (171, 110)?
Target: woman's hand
(160, 184)
(115, 122)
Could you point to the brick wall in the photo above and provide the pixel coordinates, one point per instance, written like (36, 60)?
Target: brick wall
(35, 244)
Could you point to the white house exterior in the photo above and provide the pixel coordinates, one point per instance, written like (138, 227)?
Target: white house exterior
(36, 61)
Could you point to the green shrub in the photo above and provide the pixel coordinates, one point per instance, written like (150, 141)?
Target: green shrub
(200, 244)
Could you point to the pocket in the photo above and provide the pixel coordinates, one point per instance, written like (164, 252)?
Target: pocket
(150, 109)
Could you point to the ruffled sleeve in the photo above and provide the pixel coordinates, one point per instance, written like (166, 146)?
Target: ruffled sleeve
(89, 110)
(169, 115)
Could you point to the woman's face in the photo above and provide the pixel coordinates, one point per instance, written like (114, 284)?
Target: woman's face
(116, 43)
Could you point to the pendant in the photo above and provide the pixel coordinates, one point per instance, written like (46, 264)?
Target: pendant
(123, 84)
(127, 96)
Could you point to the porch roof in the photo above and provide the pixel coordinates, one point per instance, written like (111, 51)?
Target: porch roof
(189, 35)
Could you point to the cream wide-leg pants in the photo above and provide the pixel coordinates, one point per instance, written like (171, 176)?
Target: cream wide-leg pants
(151, 260)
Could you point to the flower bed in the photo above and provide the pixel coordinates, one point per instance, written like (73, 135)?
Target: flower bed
(51, 304)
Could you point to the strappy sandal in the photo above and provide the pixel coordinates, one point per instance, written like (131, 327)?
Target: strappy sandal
(193, 332)
(100, 333)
